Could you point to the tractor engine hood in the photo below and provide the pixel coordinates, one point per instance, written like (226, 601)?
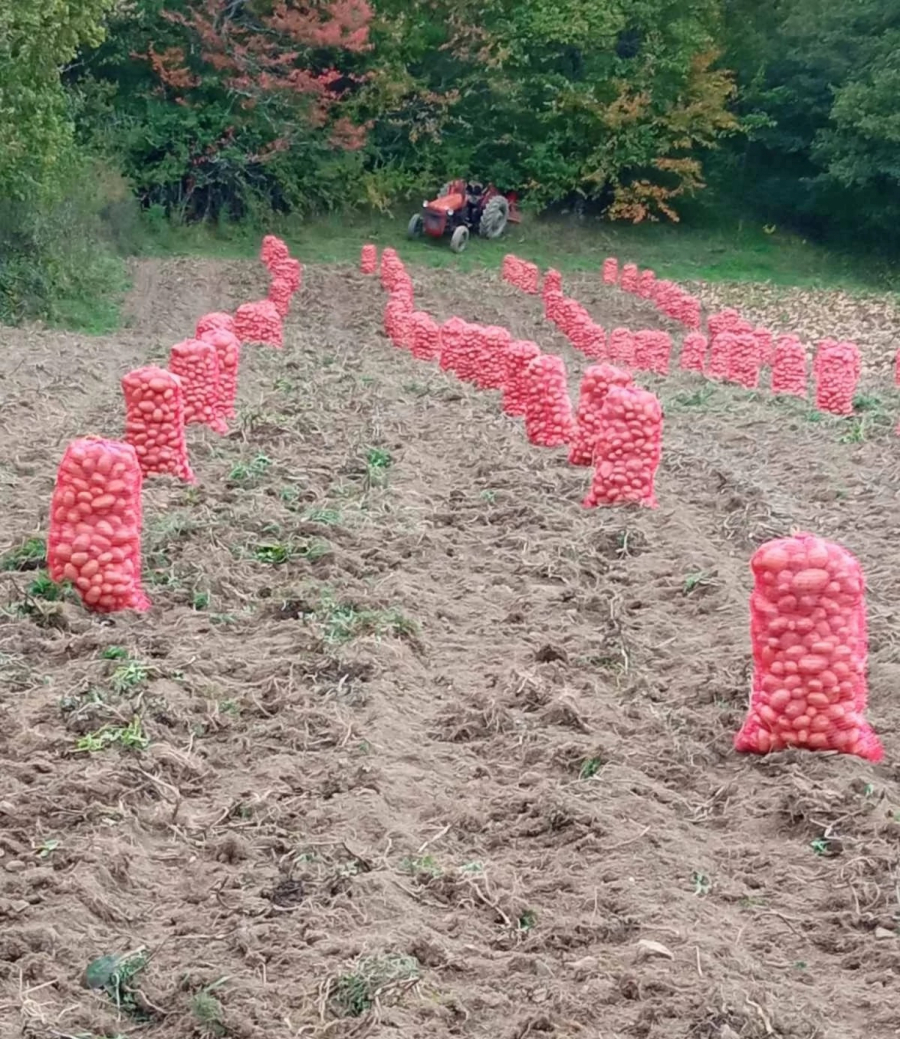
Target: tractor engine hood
(447, 204)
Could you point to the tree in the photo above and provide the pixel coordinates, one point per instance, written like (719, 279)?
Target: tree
(599, 98)
(239, 101)
(37, 37)
(816, 85)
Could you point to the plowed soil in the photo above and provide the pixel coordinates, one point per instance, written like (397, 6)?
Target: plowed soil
(410, 744)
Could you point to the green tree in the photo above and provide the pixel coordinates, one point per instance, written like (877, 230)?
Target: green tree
(218, 107)
(816, 82)
(601, 98)
(38, 37)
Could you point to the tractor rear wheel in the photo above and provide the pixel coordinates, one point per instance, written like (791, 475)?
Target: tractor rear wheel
(416, 226)
(460, 239)
(494, 217)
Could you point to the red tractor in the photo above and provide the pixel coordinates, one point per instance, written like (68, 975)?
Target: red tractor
(463, 208)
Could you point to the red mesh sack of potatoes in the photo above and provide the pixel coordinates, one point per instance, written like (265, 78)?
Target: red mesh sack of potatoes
(154, 422)
(217, 319)
(595, 385)
(630, 279)
(531, 278)
(621, 346)
(552, 282)
(507, 268)
(571, 315)
(590, 339)
(627, 450)
(519, 354)
(810, 650)
(391, 268)
(690, 311)
(549, 421)
(228, 350)
(95, 525)
(765, 341)
(666, 296)
(743, 361)
(272, 250)
(719, 352)
(789, 367)
(652, 351)
(196, 364)
(259, 322)
(289, 270)
(473, 354)
(493, 360)
(837, 368)
(280, 294)
(693, 352)
(726, 320)
(368, 259)
(553, 306)
(610, 270)
(454, 337)
(398, 312)
(647, 284)
(424, 337)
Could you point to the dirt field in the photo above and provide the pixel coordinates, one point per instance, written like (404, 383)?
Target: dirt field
(424, 749)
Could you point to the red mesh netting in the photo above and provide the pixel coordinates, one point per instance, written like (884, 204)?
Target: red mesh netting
(217, 319)
(154, 422)
(610, 270)
(630, 279)
(280, 294)
(690, 311)
(571, 314)
(519, 354)
(621, 346)
(494, 342)
(789, 367)
(743, 361)
(837, 369)
(530, 278)
(553, 306)
(765, 342)
(454, 338)
(272, 250)
(424, 336)
(720, 350)
(391, 268)
(258, 322)
(398, 312)
(95, 525)
(552, 282)
(727, 320)
(590, 339)
(403, 288)
(647, 284)
(549, 421)
(368, 259)
(508, 268)
(290, 270)
(628, 449)
(652, 351)
(196, 364)
(595, 385)
(810, 648)
(693, 352)
(228, 350)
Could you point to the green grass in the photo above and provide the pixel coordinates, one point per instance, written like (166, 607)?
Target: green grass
(720, 248)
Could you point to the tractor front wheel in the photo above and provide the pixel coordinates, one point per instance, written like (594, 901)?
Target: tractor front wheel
(460, 239)
(494, 217)
(416, 226)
